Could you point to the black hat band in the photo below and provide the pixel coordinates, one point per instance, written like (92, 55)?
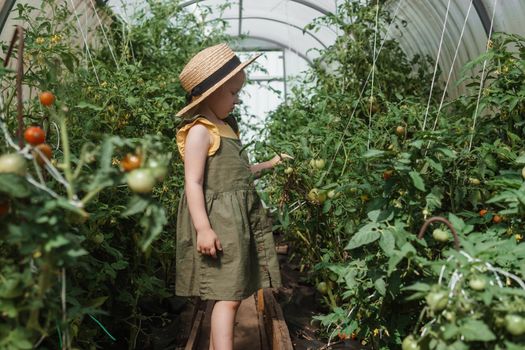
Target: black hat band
(214, 78)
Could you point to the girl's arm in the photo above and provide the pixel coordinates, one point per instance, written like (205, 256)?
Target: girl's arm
(196, 148)
(269, 164)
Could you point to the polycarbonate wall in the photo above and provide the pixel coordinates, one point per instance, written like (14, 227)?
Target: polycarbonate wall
(278, 25)
(461, 26)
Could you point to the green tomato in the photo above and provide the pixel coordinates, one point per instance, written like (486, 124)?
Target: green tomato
(333, 276)
(474, 181)
(440, 235)
(477, 283)
(141, 180)
(409, 343)
(319, 163)
(331, 194)
(449, 316)
(515, 324)
(98, 238)
(288, 170)
(437, 301)
(13, 163)
(317, 196)
(322, 287)
(158, 170)
(523, 172)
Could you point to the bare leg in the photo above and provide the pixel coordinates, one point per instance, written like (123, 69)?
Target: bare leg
(222, 319)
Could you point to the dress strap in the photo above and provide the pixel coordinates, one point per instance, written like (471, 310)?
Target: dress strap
(215, 140)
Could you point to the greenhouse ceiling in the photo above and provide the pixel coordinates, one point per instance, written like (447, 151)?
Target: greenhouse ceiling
(452, 31)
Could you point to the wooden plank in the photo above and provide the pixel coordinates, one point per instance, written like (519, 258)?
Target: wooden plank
(260, 301)
(280, 335)
(204, 341)
(263, 336)
(195, 330)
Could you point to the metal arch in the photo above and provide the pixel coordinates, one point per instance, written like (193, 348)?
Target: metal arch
(312, 6)
(281, 45)
(302, 2)
(4, 13)
(278, 21)
(240, 17)
(483, 16)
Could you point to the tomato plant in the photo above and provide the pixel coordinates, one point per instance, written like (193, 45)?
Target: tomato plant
(93, 234)
(367, 235)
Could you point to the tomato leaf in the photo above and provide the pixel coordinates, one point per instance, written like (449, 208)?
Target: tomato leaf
(434, 198)
(476, 330)
(367, 234)
(520, 159)
(417, 180)
(381, 215)
(387, 242)
(373, 153)
(88, 106)
(406, 250)
(136, 205)
(446, 152)
(380, 286)
(14, 186)
(56, 242)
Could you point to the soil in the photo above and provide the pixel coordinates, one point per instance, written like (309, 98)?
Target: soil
(300, 303)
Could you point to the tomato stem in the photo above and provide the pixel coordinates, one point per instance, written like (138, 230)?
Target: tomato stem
(67, 157)
(90, 195)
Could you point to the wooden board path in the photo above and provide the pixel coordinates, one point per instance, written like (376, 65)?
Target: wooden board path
(259, 325)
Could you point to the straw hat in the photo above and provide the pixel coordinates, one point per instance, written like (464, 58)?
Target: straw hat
(207, 71)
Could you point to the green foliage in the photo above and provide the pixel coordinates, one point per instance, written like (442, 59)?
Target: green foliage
(91, 251)
(391, 165)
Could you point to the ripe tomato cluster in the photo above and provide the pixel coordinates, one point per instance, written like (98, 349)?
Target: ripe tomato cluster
(495, 218)
(36, 137)
(141, 178)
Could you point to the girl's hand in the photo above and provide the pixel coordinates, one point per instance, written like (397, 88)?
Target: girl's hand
(208, 243)
(278, 159)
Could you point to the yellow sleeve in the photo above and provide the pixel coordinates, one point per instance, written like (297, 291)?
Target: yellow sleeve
(212, 128)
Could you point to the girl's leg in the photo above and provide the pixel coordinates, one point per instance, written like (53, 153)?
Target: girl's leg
(222, 320)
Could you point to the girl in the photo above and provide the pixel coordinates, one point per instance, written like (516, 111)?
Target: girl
(225, 248)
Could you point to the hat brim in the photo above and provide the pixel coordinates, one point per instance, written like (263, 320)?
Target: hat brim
(221, 82)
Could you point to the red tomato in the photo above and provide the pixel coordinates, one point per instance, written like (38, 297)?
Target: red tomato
(46, 150)
(496, 219)
(34, 135)
(4, 208)
(130, 162)
(400, 130)
(47, 98)
(342, 336)
(387, 174)
(483, 212)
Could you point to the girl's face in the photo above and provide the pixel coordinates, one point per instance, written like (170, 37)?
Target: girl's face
(223, 101)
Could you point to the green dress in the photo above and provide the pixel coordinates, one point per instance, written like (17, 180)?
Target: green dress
(248, 260)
